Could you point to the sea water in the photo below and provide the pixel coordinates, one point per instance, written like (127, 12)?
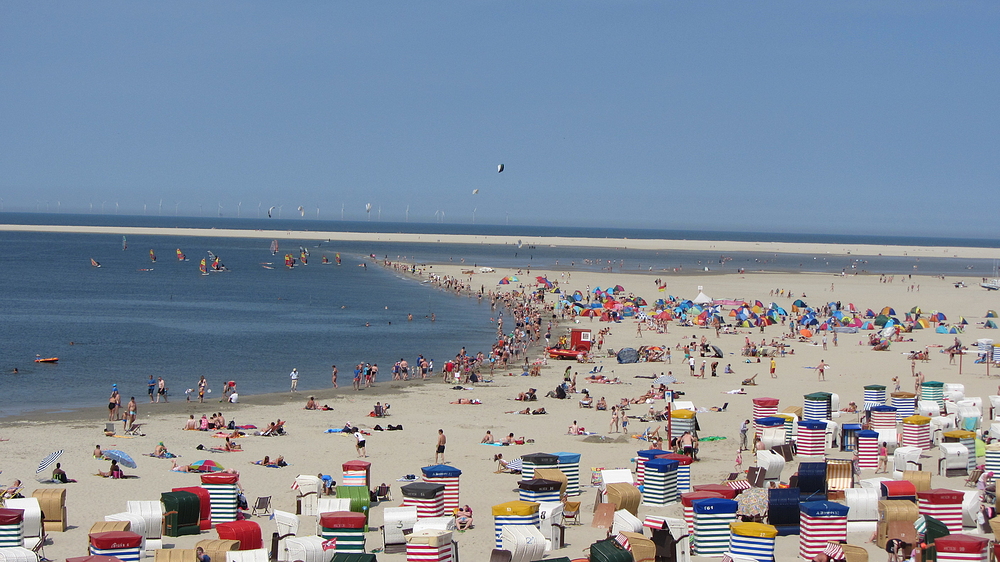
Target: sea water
(132, 318)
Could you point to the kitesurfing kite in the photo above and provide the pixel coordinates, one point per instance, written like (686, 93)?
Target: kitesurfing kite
(475, 191)
(269, 212)
(302, 210)
(500, 168)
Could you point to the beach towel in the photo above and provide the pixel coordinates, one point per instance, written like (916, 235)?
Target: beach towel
(166, 456)
(335, 430)
(246, 427)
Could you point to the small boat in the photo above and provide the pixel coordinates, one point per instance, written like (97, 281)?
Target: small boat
(124, 244)
(203, 267)
(274, 247)
(152, 255)
(181, 256)
(94, 263)
(556, 353)
(40, 359)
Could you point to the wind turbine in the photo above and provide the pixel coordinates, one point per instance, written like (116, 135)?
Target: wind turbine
(279, 210)
(1, 204)
(220, 208)
(407, 213)
(116, 207)
(317, 212)
(201, 210)
(380, 213)
(58, 206)
(258, 209)
(474, 215)
(92, 207)
(176, 206)
(342, 211)
(143, 208)
(238, 205)
(508, 218)
(159, 210)
(368, 209)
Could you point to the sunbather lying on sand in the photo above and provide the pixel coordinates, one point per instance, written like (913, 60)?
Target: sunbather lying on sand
(467, 401)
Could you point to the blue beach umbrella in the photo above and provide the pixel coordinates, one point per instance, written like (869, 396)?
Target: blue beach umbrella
(120, 456)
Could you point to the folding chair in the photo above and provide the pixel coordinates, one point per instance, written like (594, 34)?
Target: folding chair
(724, 406)
(134, 430)
(571, 511)
(39, 549)
(262, 505)
(973, 478)
(383, 493)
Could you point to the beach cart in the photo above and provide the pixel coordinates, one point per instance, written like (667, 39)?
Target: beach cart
(430, 546)
(223, 492)
(753, 540)
(811, 442)
(513, 513)
(347, 528)
(247, 532)
(204, 505)
(569, 464)
(822, 522)
(181, 513)
(641, 457)
(448, 476)
(11, 527)
(943, 505)
(426, 497)
(660, 487)
(962, 548)
(712, 517)
(52, 502)
(532, 461)
(123, 545)
(357, 473)
(539, 490)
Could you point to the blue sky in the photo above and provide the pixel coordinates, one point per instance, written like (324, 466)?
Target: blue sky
(876, 117)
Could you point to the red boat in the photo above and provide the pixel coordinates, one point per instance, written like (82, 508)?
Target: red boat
(40, 359)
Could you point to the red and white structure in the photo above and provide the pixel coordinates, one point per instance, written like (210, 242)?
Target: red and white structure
(820, 523)
(357, 473)
(883, 417)
(123, 545)
(426, 497)
(943, 505)
(447, 476)
(962, 548)
(687, 502)
(811, 442)
(640, 462)
(762, 408)
(429, 545)
(867, 449)
(917, 432)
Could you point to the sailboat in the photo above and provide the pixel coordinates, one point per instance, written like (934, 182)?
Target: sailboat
(289, 261)
(325, 260)
(94, 263)
(152, 255)
(203, 266)
(180, 255)
(337, 257)
(274, 247)
(304, 258)
(124, 244)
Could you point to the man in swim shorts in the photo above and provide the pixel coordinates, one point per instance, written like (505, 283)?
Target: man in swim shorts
(441, 441)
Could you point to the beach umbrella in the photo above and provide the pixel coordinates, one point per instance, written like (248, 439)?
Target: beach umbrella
(48, 461)
(665, 379)
(515, 464)
(915, 310)
(120, 456)
(799, 302)
(806, 333)
(207, 466)
(752, 502)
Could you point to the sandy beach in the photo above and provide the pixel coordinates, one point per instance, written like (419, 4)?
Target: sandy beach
(424, 407)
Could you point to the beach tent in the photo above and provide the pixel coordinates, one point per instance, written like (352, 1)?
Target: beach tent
(990, 324)
(881, 320)
(888, 311)
(867, 325)
(942, 329)
(938, 317)
(800, 303)
(702, 298)
(628, 355)
(962, 320)
(991, 314)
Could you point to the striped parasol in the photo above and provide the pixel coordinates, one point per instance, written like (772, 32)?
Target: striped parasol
(516, 464)
(48, 461)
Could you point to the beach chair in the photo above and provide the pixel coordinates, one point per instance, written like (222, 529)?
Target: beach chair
(39, 548)
(571, 512)
(134, 430)
(109, 428)
(262, 505)
(383, 493)
(973, 478)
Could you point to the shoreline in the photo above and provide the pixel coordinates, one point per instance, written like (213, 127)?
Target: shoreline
(550, 241)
